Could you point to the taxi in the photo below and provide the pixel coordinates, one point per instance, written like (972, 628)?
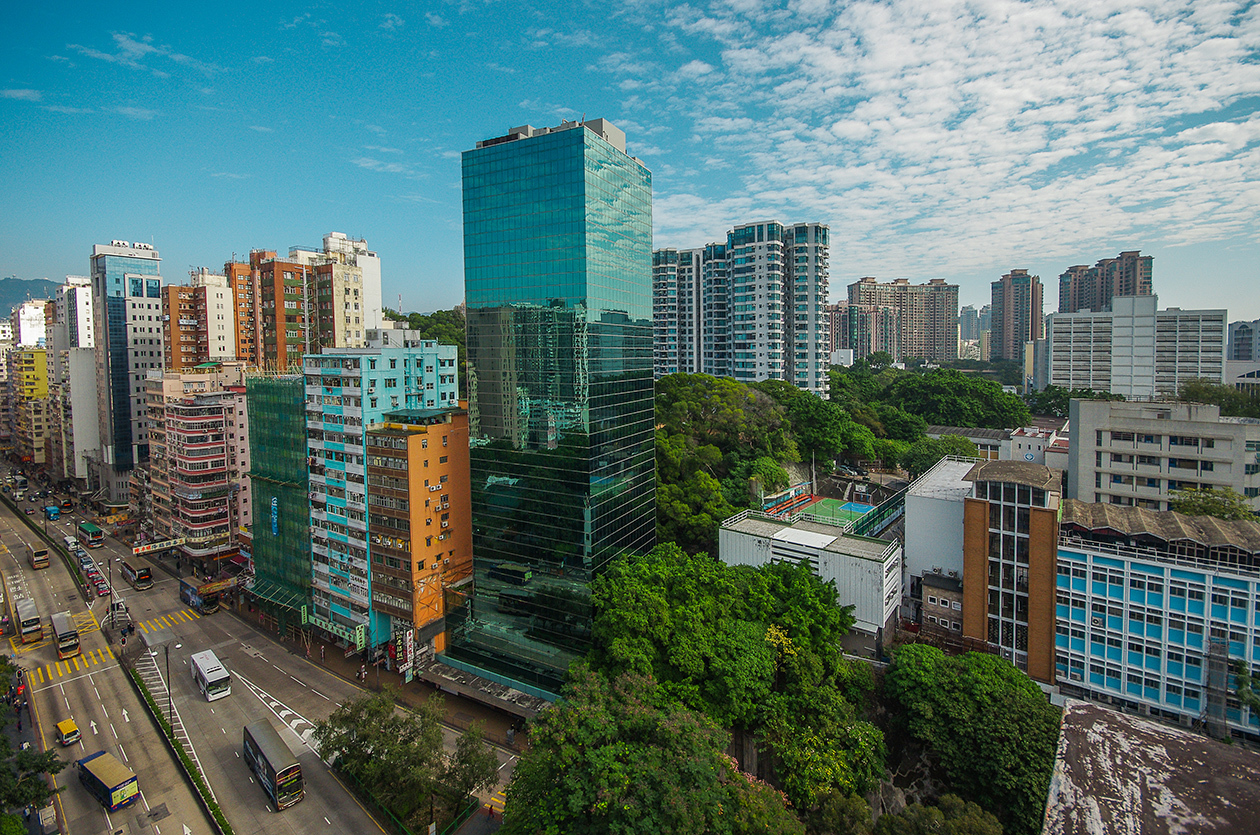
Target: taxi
(67, 732)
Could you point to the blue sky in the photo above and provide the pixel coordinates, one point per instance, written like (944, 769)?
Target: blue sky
(942, 139)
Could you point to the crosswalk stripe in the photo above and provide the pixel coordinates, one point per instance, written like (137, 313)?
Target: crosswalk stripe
(168, 621)
(194, 614)
(41, 675)
(76, 663)
(145, 628)
(110, 651)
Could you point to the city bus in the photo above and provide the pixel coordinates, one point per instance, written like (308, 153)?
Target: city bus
(26, 620)
(211, 678)
(205, 602)
(37, 555)
(65, 636)
(91, 535)
(277, 769)
(139, 575)
(20, 483)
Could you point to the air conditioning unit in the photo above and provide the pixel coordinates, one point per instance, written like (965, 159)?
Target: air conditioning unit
(446, 561)
(433, 488)
(1095, 621)
(446, 524)
(445, 505)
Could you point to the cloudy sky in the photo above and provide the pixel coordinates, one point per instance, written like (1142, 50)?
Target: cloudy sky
(938, 139)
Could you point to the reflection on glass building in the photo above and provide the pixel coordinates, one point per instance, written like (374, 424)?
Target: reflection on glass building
(557, 266)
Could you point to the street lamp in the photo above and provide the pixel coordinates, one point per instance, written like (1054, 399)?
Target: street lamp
(170, 711)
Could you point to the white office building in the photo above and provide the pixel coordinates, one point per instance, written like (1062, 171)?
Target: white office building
(1134, 349)
(866, 571)
(350, 252)
(1133, 454)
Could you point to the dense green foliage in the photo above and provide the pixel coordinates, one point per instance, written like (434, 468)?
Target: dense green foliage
(946, 397)
(752, 649)
(951, 816)
(1055, 400)
(925, 452)
(22, 777)
(1233, 402)
(1221, 502)
(986, 725)
(617, 756)
(398, 754)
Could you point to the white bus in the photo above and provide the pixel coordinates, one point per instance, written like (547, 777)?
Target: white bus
(211, 678)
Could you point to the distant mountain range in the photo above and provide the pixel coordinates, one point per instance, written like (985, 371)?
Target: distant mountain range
(14, 291)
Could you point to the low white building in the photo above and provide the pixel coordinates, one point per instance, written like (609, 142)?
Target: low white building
(866, 571)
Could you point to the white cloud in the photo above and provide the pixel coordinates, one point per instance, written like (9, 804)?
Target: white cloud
(228, 175)
(261, 129)
(132, 52)
(435, 20)
(61, 108)
(940, 132)
(382, 150)
(391, 22)
(142, 113)
(21, 95)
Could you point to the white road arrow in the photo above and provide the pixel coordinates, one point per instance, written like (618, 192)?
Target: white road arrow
(126, 718)
(187, 831)
(93, 724)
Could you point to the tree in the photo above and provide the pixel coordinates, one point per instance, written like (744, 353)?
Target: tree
(987, 727)
(1231, 401)
(770, 474)
(398, 756)
(840, 814)
(615, 756)
(946, 397)
(925, 452)
(755, 650)
(1055, 401)
(951, 816)
(23, 777)
(879, 360)
(1221, 502)
(472, 767)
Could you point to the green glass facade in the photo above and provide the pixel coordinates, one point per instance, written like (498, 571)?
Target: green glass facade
(558, 281)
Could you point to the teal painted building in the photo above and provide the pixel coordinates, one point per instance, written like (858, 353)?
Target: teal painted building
(558, 284)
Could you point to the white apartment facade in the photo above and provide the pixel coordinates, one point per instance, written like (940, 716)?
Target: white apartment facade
(1134, 349)
(1133, 454)
(72, 388)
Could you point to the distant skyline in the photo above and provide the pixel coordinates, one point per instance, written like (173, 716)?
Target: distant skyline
(936, 139)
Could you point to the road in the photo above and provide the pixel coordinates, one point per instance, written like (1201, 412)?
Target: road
(93, 690)
(268, 682)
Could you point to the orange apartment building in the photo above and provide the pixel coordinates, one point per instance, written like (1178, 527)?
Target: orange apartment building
(418, 518)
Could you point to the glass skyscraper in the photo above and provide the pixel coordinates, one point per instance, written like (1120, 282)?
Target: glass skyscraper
(558, 284)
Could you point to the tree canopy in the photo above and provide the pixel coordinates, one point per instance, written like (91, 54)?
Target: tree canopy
(946, 397)
(23, 777)
(925, 452)
(398, 755)
(1233, 402)
(752, 649)
(617, 756)
(989, 728)
(1055, 400)
(1221, 502)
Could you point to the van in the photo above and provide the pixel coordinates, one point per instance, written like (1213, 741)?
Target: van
(67, 732)
(71, 543)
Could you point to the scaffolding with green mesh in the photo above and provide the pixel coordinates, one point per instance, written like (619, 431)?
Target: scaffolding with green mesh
(279, 483)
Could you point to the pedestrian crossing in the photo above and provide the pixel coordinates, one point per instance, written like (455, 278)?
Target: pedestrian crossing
(78, 664)
(167, 621)
(497, 801)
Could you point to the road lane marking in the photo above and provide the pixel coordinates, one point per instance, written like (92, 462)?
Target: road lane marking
(145, 628)
(111, 652)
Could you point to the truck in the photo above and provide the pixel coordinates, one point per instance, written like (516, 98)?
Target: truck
(108, 780)
(53, 512)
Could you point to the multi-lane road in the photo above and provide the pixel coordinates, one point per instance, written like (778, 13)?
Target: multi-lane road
(268, 682)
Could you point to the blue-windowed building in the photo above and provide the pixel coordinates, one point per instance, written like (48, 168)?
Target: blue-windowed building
(1154, 611)
(347, 392)
(558, 286)
(127, 312)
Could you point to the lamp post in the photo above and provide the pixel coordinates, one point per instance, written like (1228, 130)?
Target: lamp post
(113, 621)
(170, 711)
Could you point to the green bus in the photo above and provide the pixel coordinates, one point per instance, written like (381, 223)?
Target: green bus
(91, 535)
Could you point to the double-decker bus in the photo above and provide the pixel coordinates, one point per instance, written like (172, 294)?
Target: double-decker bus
(139, 575)
(196, 597)
(65, 636)
(277, 769)
(212, 679)
(20, 483)
(91, 535)
(26, 620)
(37, 555)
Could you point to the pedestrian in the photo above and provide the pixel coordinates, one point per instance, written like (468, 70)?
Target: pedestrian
(321, 653)
(363, 672)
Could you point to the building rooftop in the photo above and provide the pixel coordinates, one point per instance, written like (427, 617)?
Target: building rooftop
(810, 534)
(987, 434)
(1018, 472)
(946, 480)
(940, 581)
(1166, 525)
(1116, 773)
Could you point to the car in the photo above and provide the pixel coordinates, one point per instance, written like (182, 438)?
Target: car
(102, 589)
(30, 511)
